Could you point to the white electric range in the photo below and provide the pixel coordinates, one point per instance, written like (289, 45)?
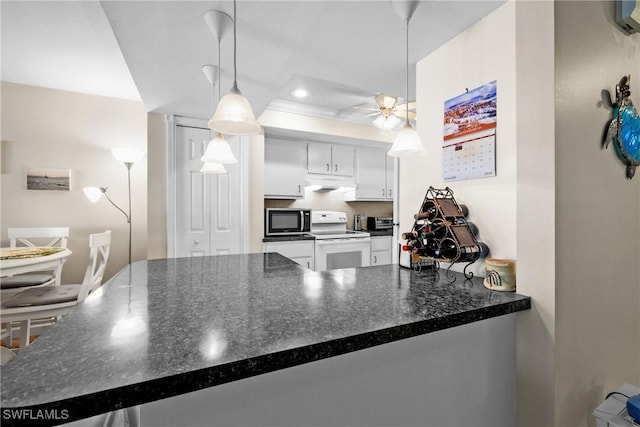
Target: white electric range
(335, 246)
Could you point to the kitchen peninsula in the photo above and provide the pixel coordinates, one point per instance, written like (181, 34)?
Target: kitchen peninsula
(206, 340)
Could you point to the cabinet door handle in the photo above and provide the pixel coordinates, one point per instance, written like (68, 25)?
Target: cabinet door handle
(196, 242)
(308, 265)
(328, 167)
(299, 189)
(389, 193)
(335, 168)
(383, 192)
(375, 259)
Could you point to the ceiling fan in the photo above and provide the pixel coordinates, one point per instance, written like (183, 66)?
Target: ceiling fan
(389, 114)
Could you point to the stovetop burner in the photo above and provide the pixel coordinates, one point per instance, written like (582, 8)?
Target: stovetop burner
(332, 225)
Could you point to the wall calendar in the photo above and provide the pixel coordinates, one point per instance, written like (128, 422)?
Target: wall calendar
(469, 159)
(469, 148)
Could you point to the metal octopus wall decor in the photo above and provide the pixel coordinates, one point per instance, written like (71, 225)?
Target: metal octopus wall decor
(624, 128)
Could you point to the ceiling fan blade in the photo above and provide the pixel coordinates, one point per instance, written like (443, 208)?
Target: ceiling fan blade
(403, 114)
(403, 107)
(366, 108)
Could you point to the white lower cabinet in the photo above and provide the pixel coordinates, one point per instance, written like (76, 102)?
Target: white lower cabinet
(299, 251)
(381, 247)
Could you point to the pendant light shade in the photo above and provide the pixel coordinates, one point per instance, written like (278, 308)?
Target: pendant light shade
(234, 115)
(407, 143)
(209, 167)
(218, 151)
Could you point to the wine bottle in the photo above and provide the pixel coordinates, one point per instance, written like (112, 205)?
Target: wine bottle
(449, 249)
(410, 235)
(484, 249)
(429, 214)
(439, 230)
(473, 228)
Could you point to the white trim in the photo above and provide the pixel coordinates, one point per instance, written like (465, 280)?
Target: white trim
(395, 256)
(171, 185)
(244, 199)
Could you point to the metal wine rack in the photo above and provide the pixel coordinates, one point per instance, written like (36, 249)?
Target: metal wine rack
(441, 233)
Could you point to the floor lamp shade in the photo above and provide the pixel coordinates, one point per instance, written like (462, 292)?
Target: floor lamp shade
(93, 193)
(126, 155)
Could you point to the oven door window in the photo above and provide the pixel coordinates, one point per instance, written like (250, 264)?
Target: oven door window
(344, 260)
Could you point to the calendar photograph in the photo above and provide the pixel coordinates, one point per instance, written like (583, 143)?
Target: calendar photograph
(473, 111)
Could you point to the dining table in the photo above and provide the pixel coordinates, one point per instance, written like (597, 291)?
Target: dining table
(24, 260)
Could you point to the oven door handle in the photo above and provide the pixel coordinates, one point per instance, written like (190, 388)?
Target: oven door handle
(327, 242)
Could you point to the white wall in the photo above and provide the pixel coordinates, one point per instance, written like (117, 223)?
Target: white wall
(597, 227)
(66, 130)
(157, 186)
(483, 53)
(515, 209)
(535, 212)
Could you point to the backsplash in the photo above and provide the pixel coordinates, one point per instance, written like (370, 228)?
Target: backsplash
(334, 201)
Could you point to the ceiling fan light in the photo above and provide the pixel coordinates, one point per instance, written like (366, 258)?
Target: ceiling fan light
(386, 123)
(210, 167)
(234, 116)
(218, 151)
(407, 143)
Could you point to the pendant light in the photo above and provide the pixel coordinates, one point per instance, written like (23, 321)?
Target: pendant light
(407, 142)
(234, 115)
(218, 151)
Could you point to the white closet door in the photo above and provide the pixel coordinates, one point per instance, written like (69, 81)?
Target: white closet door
(208, 206)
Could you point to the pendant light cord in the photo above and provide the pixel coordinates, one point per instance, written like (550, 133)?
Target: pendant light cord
(235, 42)
(407, 69)
(219, 76)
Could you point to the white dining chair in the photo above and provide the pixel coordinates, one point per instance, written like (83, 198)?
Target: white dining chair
(34, 237)
(52, 301)
(6, 355)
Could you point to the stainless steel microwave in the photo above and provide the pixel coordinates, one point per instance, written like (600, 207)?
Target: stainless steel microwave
(282, 221)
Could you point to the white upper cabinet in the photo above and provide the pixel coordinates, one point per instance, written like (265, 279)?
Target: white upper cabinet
(329, 159)
(375, 173)
(284, 168)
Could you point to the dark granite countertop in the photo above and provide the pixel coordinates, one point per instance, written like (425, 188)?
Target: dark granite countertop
(376, 233)
(166, 327)
(290, 238)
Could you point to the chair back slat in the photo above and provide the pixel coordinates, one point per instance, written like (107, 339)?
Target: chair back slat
(100, 244)
(25, 236)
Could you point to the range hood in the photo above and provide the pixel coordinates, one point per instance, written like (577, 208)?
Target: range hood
(319, 182)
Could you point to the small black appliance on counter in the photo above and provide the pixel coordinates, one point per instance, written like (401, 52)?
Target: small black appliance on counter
(379, 223)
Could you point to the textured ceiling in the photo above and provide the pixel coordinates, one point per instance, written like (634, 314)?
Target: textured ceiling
(351, 50)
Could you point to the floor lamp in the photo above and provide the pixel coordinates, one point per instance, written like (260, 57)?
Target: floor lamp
(128, 157)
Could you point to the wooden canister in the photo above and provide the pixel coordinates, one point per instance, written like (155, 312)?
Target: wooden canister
(500, 274)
